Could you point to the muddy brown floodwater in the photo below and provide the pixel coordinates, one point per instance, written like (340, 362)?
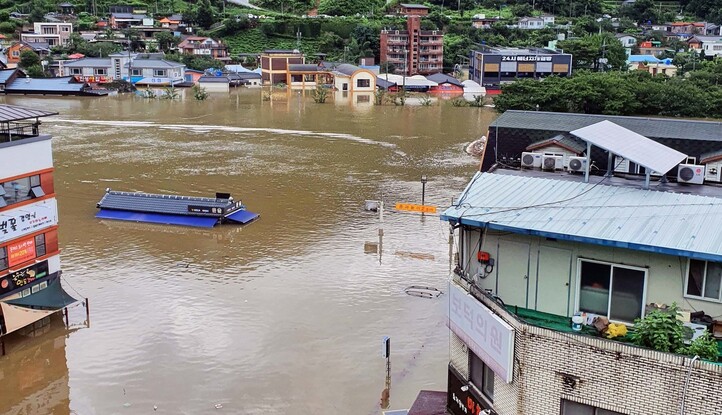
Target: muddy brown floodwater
(284, 316)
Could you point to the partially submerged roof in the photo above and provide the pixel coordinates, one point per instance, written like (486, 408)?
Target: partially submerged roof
(346, 69)
(565, 141)
(10, 113)
(169, 204)
(61, 85)
(214, 79)
(648, 127)
(441, 78)
(657, 220)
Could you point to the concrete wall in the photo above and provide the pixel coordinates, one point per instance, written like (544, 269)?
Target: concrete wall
(541, 274)
(22, 157)
(550, 366)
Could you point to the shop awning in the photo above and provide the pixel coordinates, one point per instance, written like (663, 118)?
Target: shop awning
(242, 216)
(182, 220)
(53, 298)
(16, 317)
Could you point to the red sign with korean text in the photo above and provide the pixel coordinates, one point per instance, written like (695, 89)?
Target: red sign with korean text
(22, 251)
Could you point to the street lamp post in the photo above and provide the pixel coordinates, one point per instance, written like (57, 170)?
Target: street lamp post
(424, 179)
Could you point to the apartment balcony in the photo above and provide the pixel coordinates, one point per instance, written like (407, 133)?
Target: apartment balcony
(18, 131)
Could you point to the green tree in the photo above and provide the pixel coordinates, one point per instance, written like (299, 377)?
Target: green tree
(166, 40)
(28, 59)
(7, 27)
(641, 11)
(588, 50)
(4, 16)
(204, 15)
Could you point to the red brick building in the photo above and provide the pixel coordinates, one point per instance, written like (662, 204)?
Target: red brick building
(413, 51)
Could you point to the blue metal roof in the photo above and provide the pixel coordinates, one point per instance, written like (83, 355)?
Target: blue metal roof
(596, 213)
(166, 204)
(5, 74)
(642, 58)
(160, 218)
(44, 84)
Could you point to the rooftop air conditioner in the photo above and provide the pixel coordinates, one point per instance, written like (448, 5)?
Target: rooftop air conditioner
(713, 172)
(692, 331)
(690, 173)
(577, 164)
(531, 160)
(552, 162)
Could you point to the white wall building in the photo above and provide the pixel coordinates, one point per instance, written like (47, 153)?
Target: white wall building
(55, 34)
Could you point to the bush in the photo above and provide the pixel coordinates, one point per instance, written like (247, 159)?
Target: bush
(704, 346)
(7, 27)
(660, 330)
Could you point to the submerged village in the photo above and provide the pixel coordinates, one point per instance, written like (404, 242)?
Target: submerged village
(363, 207)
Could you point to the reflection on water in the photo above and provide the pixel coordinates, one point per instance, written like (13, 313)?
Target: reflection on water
(284, 315)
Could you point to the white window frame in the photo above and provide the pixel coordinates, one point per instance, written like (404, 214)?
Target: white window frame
(97, 72)
(136, 72)
(704, 282)
(160, 73)
(76, 71)
(611, 276)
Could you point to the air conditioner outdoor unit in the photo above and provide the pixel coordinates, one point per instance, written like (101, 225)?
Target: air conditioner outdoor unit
(531, 160)
(577, 164)
(692, 331)
(552, 162)
(713, 172)
(690, 173)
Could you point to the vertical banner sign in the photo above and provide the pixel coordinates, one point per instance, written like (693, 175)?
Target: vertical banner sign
(485, 333)
(21, 251)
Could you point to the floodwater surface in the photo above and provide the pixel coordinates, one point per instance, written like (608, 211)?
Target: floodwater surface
(283, 316)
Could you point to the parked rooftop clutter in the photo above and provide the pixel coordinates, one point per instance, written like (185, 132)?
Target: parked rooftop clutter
(173, 209)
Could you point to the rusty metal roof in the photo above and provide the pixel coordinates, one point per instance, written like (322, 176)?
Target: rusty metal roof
(10, 113)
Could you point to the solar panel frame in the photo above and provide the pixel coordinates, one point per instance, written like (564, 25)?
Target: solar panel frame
(630, 145)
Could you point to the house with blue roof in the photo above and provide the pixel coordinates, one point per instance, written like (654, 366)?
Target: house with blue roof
(553, 262)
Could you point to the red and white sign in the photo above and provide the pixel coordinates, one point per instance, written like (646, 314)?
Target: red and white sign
(21, 251)
(485, 333)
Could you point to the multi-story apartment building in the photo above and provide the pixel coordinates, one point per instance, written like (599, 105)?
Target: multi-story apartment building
(491, 67)
(30, 287)
(413, 51)
(54, 34)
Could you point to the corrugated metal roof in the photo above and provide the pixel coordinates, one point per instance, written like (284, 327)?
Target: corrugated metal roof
(304, 67)
(562, 140)
(346, 69)
(88, 63)
(154, 64)
(441, 78)
(630, 145)
(710, 156)
(44, 84)
(214, 79)
(155, 203)
(648, 127)
(16, 113)
(595, 213)
(5, 74)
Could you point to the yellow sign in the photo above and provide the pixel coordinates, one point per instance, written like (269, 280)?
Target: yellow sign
(416, 208)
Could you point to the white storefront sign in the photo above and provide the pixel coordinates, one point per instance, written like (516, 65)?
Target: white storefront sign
(485, 333)
(27, 219)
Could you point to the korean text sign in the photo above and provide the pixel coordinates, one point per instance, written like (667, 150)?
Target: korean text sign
(24, 220)
(486, 334)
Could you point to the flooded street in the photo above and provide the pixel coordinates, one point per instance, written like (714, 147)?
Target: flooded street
(283, 316)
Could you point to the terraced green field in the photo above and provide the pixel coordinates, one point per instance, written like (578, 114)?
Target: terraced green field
(253, 41)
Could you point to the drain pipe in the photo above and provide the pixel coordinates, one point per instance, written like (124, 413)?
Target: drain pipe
(686, 383)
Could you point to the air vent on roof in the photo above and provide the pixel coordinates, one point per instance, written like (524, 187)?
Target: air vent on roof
(690, 173)
(552, 162)
(531, 160)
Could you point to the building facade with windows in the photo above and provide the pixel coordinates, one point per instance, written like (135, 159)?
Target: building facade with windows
(52, 33)
(491, 67)
(29, 252)
(512, 343)
(143, 69)
(275, 64)
(413, 51)
(539, 245)
(205, 46)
